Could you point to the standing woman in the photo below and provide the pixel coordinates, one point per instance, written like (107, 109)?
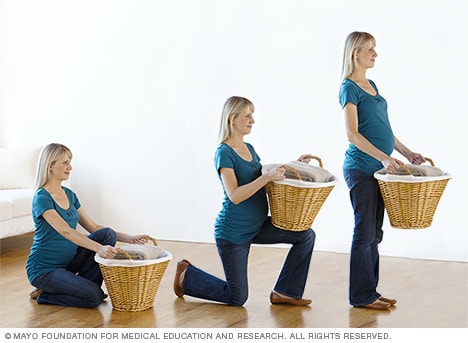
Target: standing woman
(243, 220)
(371, 144)
(61, 261)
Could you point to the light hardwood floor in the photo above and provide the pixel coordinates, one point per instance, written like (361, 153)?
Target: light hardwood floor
(430, 294)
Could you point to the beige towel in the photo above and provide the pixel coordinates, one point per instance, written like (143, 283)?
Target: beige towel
(303, 176)
(307, 172)
(139, 252)
(416, 170)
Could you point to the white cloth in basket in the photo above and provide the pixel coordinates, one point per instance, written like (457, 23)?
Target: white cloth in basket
(139, 252)
(416, 170)
(112, 262)
(307, 172)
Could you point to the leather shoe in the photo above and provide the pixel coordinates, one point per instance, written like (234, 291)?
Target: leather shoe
(388, 301)
(377, 305)
(181, 267)
(34, 294)
(276, 299)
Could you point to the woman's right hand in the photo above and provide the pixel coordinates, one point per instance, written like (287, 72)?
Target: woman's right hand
(276, 174)
(391, 164)
(107, 251)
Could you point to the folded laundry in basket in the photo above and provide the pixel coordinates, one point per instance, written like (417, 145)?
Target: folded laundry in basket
(416, 170)
(289, 174)
(139, 252)
(307, 172)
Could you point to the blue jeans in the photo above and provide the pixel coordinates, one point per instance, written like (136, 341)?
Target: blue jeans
(234, 291)
(79, 284)
(369, 210)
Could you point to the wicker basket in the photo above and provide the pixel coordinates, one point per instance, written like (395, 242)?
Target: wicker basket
(411, 201)
(294, 204)
(132, 284)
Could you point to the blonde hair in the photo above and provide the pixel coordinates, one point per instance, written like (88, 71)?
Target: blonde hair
(49, 155)
(353, 44)
(233, 106)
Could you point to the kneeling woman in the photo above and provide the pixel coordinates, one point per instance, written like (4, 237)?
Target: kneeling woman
(61, 262)
(244, 220)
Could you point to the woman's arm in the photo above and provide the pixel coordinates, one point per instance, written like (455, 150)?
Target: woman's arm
(237, 193)
(351, 124)
(413, 157)
(61, 226)
(90, 226)
(86, 222)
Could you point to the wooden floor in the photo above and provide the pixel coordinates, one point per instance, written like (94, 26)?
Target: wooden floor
(431, 294)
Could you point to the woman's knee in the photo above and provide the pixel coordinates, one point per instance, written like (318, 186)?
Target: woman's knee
(239, 299)
(93, 298)
(105, 236)
(308, 237)
(238, 295)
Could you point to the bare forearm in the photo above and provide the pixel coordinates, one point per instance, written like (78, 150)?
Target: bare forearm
(246, 191)
(401, 148)
(364, 145)
(80, 239)
(413, 157)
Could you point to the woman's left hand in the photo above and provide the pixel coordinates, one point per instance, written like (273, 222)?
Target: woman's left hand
(138, 239)
(304, 158)
(416, 158)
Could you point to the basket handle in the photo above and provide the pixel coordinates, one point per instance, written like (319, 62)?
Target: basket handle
(408, 171)
(153, 240)
(127, 255)
(315, 158)
(430, 161)
(296, 173)
(293, 170)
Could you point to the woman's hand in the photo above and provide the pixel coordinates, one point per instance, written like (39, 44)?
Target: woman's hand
(276, 174)
(304, 158)
(391, 164)
(138, 239)
(107, 251)
(415, 158)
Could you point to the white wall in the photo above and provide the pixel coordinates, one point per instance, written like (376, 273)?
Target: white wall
(135, 89)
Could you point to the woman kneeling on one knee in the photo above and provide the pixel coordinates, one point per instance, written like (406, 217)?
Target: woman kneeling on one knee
(244, 220)
(61, 262)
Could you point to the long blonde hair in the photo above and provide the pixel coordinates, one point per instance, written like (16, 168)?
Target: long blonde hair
(353, 44)
(49, 155)
(233, 106)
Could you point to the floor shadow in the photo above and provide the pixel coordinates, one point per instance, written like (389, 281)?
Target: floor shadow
(287, 316)
(365, 318)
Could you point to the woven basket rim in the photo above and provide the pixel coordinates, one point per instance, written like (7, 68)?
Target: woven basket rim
(307, 184)
(167, 256)
(410, 178)
(299, 183)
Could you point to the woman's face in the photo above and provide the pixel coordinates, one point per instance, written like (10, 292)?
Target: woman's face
(365, 57)
(243, 122)
(61, 168)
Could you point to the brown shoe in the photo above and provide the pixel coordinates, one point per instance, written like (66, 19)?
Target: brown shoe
(388, 301)
(276, 299)
(181, 267)
(377, 305)
(34, 294)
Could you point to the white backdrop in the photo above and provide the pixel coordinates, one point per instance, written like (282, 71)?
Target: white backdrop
(135, 89)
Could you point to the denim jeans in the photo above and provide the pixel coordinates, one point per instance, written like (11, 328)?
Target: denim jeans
(369, 210)
(234, 257)
(79, 284)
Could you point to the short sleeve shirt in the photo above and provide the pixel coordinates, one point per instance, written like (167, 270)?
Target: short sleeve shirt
(240, 223)
(373, 124)
(50, 250)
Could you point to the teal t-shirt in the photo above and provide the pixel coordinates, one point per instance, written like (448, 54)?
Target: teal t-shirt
(240, 223)
(373, 124)
(50, 250)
